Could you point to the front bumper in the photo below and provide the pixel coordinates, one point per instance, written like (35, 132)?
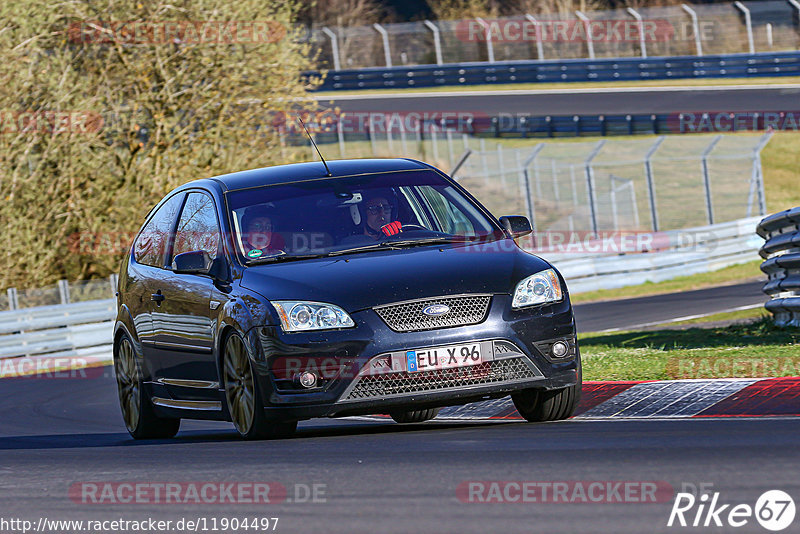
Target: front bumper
(517, 342)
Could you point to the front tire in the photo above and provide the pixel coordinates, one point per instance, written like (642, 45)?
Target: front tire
(539, 405)
(137, 409)
(245, 405)
(414, 416)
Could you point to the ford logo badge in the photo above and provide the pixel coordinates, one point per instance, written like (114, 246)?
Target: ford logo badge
(435, 310)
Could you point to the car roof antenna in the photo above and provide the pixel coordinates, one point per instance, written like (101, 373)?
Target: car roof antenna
(315, 146)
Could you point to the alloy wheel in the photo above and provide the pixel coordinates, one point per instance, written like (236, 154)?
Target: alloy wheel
(239, 387)
(128, 384)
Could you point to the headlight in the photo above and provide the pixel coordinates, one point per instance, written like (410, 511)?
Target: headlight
(539, 288)
(299, 316)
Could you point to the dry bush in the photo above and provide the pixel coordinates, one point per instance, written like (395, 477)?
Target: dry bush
(172, 112)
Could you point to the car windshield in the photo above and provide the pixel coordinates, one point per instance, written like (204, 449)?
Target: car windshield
(352, 214)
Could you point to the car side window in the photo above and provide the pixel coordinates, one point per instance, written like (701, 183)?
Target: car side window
(197, 226)
(152, 242)
(451, 219)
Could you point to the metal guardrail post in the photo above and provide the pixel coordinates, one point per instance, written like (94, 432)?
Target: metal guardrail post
(796, 5)
(587, 24)
(768, 27)
(529, 203)
(63, 291)
(642, 42)
(489, 45)
(651, 189)
(748, 24)
(387, 51)
(590, 184)
(13, 300)
(758, 173)
(437, 40)
(696, 29)
(463, 159)
(538, 26)
(707, 179)
(337, 65)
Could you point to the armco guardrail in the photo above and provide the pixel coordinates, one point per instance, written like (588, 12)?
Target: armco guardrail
(682, 252)
(64, 331)
(568, 70)
(781, 253)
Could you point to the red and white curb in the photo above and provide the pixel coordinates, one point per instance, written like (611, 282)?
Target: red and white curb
(724, 397)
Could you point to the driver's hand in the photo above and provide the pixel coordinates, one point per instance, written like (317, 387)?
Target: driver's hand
(393, 228)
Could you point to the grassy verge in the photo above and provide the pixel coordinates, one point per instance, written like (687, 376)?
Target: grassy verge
(756, 349)
(686, 82)
(728, 275)
(738, 316)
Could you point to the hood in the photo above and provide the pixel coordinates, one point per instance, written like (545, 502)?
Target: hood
(359, 281)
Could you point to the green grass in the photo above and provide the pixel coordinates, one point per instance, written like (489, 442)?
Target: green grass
(704, 82)
(728, 275)
(756, 349)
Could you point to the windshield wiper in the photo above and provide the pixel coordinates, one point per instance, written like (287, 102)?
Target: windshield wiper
(363, 248)
(285, 257)
(424, 241)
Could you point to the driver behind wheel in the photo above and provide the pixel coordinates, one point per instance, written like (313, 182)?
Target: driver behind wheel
(378, 221)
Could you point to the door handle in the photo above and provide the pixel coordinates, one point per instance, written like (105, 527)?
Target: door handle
(157, 297)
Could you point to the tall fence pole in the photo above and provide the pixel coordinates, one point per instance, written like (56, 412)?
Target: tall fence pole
(587, 24)
(748, 24)
(489, 45)
(387, 51)
(590, 184)
(501, 166)
(340, 138)
(13, 300)
(707, 178)
(695, 28)
(337, 65)
(63, 291)
(538, 28)
(651, 188)
(529, 202)
(461, 161)
(642, 42)
(762, 199)
(437, 41)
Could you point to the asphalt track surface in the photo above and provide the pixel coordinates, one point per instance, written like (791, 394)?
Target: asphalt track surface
(379, 476)
(609, 101)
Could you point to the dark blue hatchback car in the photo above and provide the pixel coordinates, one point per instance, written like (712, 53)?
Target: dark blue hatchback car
(274, 295)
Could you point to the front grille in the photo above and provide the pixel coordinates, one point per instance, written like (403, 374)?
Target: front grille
(508, 370)
(408, 316)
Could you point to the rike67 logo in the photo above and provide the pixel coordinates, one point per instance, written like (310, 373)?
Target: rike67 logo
(774, 510)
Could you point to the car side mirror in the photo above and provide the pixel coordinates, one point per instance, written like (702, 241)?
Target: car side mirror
(516, 225)
(194, 262)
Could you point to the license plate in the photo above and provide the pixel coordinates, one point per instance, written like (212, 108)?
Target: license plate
(444, 357)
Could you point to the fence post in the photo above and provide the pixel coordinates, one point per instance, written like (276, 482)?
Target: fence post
(489, 45)
(762, 200)
(437, 42)
(113, 280)
(538, 28)
(651, 189)
(434, 146)
(748, 23)
(340, 136)
(337, 65)
(450, 152)
(554, 172)
(403, 144)
(695, 28)
(13, 300)
(482, 144)
(642, 42)
(768, 27)
(500, 165)
(587, 24)
(590, 184)
(63, 291)
(707, 179)
(529, 202)
(387, 51)
(461, 161)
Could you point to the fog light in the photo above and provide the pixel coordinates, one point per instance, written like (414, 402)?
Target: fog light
(559, 349)
(307, 379)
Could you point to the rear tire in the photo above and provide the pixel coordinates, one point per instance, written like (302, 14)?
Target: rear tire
(414, 416)
(137, 409)
(539, 405)
(244, 400)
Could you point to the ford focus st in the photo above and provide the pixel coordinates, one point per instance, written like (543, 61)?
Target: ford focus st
(275, 295)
